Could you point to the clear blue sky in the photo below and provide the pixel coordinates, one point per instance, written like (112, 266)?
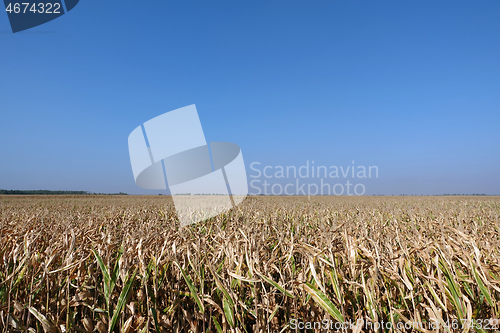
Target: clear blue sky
(412, 87)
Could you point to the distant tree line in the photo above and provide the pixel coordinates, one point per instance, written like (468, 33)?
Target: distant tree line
(48, 192)
(119, 193)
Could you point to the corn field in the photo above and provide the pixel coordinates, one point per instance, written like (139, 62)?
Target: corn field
(273, 264)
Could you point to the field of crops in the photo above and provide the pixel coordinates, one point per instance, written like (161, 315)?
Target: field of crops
(122, 264)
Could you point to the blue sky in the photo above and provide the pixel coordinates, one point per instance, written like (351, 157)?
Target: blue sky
(412, 87)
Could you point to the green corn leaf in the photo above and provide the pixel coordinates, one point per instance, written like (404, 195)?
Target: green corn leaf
(273, 314)
(335, 284)
(105, 275)
(228, 311)
(453, 289)
(121, 300)
(155, 319)
(192, 289)
(482, 287)
(152, 308)
(438, 300)
(476, 328)
(323, 301)
(277, 286)
(163, 274)
(217, 325)
(20, 277)
(221, 286)
(114, 274)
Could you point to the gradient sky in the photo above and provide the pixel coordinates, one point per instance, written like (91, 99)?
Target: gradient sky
(412, 87)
